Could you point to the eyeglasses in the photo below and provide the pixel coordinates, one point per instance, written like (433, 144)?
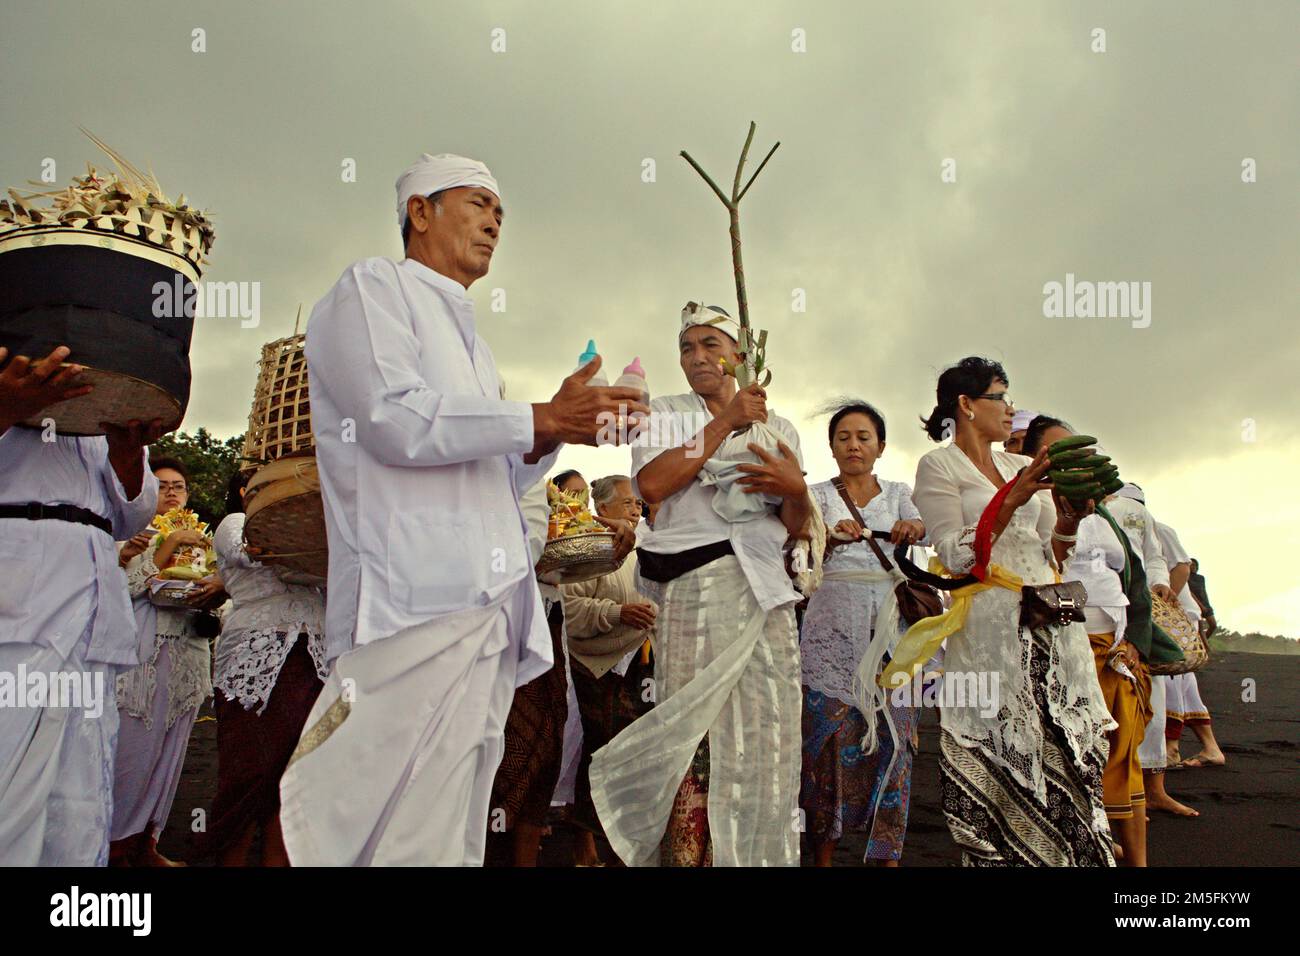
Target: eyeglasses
(171, 486)
(1002, 397)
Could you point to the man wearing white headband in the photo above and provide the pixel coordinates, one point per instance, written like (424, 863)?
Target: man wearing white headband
(713, 316)
(434, 615)
(723, 742)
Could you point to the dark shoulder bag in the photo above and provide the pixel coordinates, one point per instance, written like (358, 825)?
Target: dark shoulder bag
(1042, 605)
(915, 599)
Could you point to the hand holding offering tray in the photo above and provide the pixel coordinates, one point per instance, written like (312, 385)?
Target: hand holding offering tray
(578, 547)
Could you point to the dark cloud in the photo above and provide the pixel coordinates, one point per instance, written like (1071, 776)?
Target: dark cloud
(1123, 165)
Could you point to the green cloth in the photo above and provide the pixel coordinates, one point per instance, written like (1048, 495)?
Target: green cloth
(1155, 646)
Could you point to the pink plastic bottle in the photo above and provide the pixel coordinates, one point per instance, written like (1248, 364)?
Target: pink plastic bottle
(634, 377)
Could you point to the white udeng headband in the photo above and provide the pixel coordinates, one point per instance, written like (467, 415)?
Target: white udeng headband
(431, 174)
(694, 314)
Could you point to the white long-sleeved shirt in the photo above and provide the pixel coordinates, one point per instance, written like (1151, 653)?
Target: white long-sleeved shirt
(687, 518)
(1140, 528)
(1176, 554)
(951, 495)
(1098, 564)
(55, 575)
(421, 462)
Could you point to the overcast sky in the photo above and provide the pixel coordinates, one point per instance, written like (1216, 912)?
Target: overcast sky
(1122, 165)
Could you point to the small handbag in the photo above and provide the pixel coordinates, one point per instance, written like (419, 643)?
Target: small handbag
(1052, 605)
(915, 600)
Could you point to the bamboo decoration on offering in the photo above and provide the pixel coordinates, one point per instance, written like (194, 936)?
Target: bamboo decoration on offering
(752, 349)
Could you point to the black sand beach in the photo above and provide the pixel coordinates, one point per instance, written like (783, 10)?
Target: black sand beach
(1250, 809)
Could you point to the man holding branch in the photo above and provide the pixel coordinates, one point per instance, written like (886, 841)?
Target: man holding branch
(716, 763)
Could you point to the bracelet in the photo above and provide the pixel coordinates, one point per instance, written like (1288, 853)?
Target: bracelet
(1066, 538)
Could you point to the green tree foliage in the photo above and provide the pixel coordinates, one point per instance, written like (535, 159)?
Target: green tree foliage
(1252, 643)
(211, 461)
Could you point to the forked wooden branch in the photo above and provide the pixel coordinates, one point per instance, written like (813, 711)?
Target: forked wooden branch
(752, 349)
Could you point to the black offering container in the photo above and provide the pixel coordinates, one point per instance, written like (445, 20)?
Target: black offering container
(120, 304)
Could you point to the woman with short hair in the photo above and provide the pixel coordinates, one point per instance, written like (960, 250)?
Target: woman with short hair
(608, 623)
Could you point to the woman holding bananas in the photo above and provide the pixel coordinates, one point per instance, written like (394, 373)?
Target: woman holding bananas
(1021, 780)
(1121, 654)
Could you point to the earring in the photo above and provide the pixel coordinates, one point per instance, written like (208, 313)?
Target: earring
(970, 416)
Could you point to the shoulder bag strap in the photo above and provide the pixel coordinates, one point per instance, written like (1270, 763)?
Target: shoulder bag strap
(838, 482)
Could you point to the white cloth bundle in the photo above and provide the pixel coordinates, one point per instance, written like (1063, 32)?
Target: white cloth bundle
(730, 500)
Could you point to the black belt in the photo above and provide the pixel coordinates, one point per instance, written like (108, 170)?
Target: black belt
(35, 511)
(662, 568)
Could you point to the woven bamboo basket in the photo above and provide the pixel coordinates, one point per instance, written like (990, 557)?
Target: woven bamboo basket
(284, 513)
(280, 421)
(1175, 622)
(284, 516)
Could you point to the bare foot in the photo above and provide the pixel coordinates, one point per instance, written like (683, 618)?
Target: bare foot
(1170, 805)
(1204, 760)
(150, 856)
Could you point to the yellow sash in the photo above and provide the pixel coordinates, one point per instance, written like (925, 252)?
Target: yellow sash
(924, 637)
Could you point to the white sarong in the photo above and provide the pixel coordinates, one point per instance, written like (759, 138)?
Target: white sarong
(1151, 752)
(396, 760)
(1184, 699)
(725, 668)
(56, 765)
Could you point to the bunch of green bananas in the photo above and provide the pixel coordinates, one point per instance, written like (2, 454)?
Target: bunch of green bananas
(1079, 473)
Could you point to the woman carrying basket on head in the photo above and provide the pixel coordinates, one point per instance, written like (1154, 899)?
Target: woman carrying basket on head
(270, 666)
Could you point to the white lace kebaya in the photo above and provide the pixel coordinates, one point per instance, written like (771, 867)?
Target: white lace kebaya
(189, 682)
(267, 617)
(951, 493)
(841, 614)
